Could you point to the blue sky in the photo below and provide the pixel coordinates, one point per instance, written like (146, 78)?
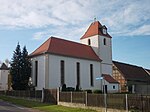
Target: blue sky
(31, 22)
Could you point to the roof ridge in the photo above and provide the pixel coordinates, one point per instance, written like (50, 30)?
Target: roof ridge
(49, 45)
(40, 46)
(127, 64)
(70, 41)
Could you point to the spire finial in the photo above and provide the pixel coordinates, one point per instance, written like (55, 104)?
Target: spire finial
(94, 19)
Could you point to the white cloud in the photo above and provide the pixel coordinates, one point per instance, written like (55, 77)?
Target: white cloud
(71, 33)
(62, 16)
(143, 30)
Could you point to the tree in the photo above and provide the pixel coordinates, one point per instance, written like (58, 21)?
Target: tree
(15, 69)
(25, 69)
(7, 62)
(20, 69)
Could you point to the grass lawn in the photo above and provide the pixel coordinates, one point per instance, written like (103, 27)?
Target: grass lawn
(43, 106)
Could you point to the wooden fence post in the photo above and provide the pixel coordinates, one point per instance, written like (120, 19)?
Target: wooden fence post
(71, 97)
(42, 95)
(86, 98)
(58, 95)
(126, 103)
(105, 100)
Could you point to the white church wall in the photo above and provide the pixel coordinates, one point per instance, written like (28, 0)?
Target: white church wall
(4, 79)
(41, 71)
(94, 43)
(106, 55)
(107, 69)
(105, 50)
(70, 72)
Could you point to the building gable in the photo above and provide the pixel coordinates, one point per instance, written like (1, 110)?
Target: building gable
(132, 72)
(95, 29)
(4, 67)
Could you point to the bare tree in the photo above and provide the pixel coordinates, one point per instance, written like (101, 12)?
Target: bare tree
(7, 62)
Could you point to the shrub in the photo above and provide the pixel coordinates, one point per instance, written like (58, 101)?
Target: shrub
(97, 91)
(63, 87)
(88, 91)
(70, 89)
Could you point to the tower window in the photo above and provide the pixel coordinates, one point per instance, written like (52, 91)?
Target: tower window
(89, 42)
(104, 41)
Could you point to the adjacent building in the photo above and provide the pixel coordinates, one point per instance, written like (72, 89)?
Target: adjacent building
(133, 79)
(58, 61)
(4, 71)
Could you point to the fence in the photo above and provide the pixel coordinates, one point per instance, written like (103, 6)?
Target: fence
(50, 96)
(47, 95)
(35, 95)
(113, 101)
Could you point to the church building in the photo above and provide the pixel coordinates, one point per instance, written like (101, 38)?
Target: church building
(59, 61)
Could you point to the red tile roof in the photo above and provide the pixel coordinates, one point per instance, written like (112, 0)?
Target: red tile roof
(132, 72)
(109, 78)
(66, 48)
(94, 29)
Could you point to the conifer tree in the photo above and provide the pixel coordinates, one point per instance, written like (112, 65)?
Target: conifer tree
(25, 69)
(20, 69)
(15, 68)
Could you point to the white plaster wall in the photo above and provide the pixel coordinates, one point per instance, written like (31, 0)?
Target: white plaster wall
(110, 87)
(41, 71)
(94, 43)
(4, 79)
(70, 72)
(107, 69)
(105, 50)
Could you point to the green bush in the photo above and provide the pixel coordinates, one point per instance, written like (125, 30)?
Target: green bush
(88, 91)
(97, 91)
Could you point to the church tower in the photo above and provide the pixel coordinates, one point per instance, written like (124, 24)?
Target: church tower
(98, 38)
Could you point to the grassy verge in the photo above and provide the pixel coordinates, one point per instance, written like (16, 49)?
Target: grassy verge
(42, 106)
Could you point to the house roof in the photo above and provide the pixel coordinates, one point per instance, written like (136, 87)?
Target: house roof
(109, 78)
(132, 72)
(4, 67)
(148, 71)
(95, 29)
(66, 48)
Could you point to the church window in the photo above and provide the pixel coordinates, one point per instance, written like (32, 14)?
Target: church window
(104, 41)
(62, 70)
(91, 74)
(78, 73)
(113, 87)
(89, 42)
(36, 73)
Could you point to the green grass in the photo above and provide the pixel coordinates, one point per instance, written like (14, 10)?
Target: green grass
(43, 106)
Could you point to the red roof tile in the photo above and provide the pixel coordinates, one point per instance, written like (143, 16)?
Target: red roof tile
(132, 72)
(66, 48)
(94, 29)
(109, 78)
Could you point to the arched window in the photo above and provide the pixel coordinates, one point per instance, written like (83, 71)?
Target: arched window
(104, 41)
(89, 42)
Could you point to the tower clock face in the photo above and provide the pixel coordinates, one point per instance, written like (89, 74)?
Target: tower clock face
(104, 31)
